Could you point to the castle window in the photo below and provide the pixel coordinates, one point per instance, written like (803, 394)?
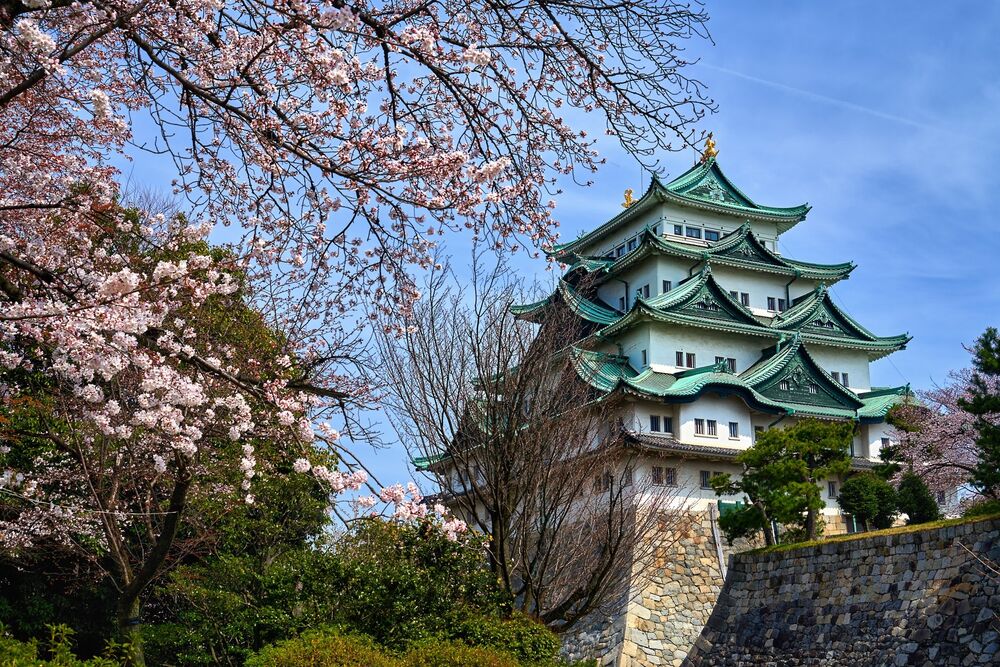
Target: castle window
(627, 476)
(705, 477)
(699, 426)
(772, 303)
(679, 359)
(692, 232)
(690, 360)
(644, 360)
(734, 429)
(645, 291)
(836, 375)
(885, 442)
(678, 230)
(831, 489)
(733, 293)
(656, 229)
(668, 424)
(632, 244)
(713, 428)
(664, 476)
(621, 303)
(783, 385)
(813, 389)
(619, 251)
(782, 305)
(719, 360)
(667, 286)
(731, 362)
(654, 423)
(844, 381)
(745, 298)
(603, 482)
(711, 235)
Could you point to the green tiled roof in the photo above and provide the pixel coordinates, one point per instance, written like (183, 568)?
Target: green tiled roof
(819, 319)
(704, 187)
(739, 248)
(786, 381)
(877, 402)
(701, 302)
(588, 310)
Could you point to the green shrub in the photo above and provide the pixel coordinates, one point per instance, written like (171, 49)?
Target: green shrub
(530, 642)
(916, 501)
(982, 508)
(870, 499)
(323, 648)
(56, 651)
(449, 654)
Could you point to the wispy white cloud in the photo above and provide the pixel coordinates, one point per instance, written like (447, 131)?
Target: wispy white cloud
(817, 97)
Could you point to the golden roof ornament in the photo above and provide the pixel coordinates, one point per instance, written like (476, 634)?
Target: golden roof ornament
(710, 149)
(628, 198)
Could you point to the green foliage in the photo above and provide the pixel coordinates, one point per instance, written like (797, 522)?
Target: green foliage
(984, 402)
(55, 651)
(449, 654)
(982, 508)
(916, 500)
(782, 471)
(323, 648)
(403, 583)
(398, 584)
(530, 642)
(870, 499)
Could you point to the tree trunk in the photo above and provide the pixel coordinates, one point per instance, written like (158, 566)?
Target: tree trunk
(131, 631)
(810, 524)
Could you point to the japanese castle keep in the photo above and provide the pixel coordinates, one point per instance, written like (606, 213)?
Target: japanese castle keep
(709, 335)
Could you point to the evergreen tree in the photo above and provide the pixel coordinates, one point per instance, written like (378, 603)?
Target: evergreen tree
(983, 402)
(916, 500)
(781, 477)
(870, 499)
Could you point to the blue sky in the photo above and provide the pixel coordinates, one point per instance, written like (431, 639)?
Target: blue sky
(885, 117)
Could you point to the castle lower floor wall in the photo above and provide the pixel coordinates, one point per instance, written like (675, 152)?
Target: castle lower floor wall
(927, 598)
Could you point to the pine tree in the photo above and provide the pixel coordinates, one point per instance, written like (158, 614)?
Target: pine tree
(984, 403)
(781, 477)
(916, 501)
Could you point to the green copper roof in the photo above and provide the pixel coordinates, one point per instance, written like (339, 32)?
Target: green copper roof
(786, 381)
(739, 248)
(818, 318)
(699, 301)
(878, 402)
(591, 311)
(703, 187)
(788, 373)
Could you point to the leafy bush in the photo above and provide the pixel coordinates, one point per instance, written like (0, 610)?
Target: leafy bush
(870, 499)
(323, 648)
(450, 654)
(982, 508)
(57, 651)
(530, 642)
(916, 500)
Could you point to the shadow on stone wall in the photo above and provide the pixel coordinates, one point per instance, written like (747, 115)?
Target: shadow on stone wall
(916, 598)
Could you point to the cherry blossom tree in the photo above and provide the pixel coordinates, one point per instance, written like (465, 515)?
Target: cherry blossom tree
(937, 436)
(329, 145)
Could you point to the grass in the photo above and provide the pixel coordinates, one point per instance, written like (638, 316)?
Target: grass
(897, 530)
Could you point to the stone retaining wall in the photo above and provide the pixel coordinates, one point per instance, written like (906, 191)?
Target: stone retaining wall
(914, 598)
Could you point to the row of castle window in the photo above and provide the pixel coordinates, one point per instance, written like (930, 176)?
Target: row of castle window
(696, 233)
(841, 377)
(658, 424)
(679, 230)
(742, 297)
(710, 428)
(690, 360)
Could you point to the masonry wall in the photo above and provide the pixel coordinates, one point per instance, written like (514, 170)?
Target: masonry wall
(908, 599)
